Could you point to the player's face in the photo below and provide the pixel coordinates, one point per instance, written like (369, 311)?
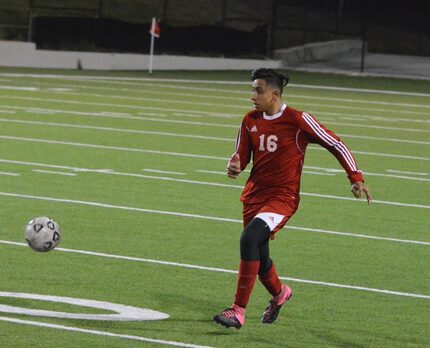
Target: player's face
(263, 96)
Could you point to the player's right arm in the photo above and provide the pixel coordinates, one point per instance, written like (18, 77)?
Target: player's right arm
(242, 154)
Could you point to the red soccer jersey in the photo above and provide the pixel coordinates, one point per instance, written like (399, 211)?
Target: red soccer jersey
(277, 144)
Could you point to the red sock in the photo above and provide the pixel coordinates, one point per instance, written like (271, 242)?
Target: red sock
(271, 281)
(247, 274)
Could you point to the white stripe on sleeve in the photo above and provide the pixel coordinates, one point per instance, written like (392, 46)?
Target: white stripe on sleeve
(328, 139)
(239, 134)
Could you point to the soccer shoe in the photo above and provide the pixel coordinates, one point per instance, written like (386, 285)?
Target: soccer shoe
(231, 317)
(272, 310)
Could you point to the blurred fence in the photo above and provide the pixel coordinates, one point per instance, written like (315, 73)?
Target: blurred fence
(223, 27)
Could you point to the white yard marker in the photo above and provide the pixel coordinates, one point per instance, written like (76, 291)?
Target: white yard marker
(52, 172)
(35, 111)
(162, 171)
(9, 174)
(211, 172)
(16, 88)
(222, 270)
(402, 172)
(99, 333)
(318, 173)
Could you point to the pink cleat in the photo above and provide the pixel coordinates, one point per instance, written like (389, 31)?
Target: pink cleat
(231, 317)
(272, 310)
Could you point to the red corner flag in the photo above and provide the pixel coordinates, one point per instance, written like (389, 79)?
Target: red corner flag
(155, 32)
(155, 28)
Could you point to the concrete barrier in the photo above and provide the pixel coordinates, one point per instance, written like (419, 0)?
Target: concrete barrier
(317, 51)
(23, 54)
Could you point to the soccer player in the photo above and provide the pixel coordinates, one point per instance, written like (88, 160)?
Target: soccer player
(275, 136)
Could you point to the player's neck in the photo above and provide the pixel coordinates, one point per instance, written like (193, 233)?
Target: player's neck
(274, 108)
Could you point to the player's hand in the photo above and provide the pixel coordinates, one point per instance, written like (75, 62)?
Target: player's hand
(233, 167)
(357, 190)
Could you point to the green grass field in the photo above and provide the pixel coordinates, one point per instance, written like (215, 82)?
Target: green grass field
(132, 169)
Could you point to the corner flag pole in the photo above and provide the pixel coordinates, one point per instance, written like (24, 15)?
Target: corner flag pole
(151, 52)
(155, 32)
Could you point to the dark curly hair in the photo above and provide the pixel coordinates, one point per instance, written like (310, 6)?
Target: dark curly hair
(272, 78)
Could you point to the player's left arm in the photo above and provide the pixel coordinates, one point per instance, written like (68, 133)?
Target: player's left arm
(320, 134)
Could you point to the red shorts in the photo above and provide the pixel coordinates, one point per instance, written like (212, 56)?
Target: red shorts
(274, 212)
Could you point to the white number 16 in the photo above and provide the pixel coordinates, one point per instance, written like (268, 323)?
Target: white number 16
(271, 143)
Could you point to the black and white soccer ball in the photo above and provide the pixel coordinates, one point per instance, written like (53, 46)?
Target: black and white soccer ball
(42, 234)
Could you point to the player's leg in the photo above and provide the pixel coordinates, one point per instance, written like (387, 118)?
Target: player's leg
(267, 274)
(253, 236)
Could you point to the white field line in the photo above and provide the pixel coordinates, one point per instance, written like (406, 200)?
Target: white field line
(366, 118)
(222, 270)
(126, 106)
(52, 172)
(138, 107)
(99, 333)
(397, 176)
(225, 158)
(381, 154)
(7, 112)
(194, 182)
(223, 173)
(197, 123)
(402, 172)
(345, 107)
(115, 148)
(395, 140)
(42, 112)
(17, 88)
(205, 217)
(333, 170)
(162, 171)
(217, 138)
(104, 114)
(9, 174)
(243, 107)
(318, 173)
(125, 130)
(243, 95)
(356, 117)
(119, 130)
(210, 172)
(215, 82)
(130, 149)
(370, 126)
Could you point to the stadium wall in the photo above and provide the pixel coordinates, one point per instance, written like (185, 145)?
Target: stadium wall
(24, 54)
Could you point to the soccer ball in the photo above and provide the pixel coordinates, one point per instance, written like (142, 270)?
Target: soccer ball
(42, 234)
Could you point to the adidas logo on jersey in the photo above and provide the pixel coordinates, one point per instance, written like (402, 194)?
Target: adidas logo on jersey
(254, 129)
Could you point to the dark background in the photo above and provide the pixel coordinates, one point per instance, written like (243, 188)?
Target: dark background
(234, 28)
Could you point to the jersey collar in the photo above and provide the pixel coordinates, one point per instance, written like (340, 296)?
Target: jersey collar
(275, 116)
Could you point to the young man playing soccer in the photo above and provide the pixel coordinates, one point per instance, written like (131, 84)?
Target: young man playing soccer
(276, 136)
